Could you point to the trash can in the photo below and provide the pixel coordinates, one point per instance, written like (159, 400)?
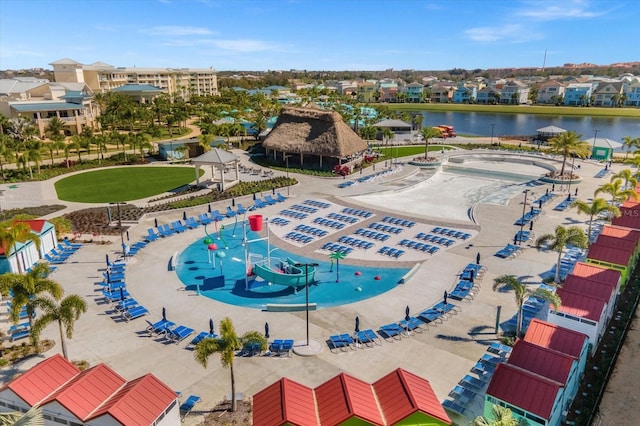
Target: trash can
(255, 222)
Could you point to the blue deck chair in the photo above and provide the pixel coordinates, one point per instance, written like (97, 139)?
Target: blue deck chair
(204, 219)
(201, 336)
(392, 331)
(499, 349)
(414, 324)
(165, 231)
(179, 333)
(151, 235)
(268, 199)
(230, 212)
(287, 347)
(259, 203)
(159, 327)
(430, 315)
(178, 226)
(452, 406)
(59, 255)
(70, 244)
(280, 198)
(240, 209)
(191, 222)
(462, 394)
(342, 342)
(276, 346)
(123, 305)
(368, 337)
(471, 382)
(135, 312)
(216, 215)
(187, 406)
(54, 261)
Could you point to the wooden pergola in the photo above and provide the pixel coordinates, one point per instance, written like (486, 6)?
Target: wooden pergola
(221, 160)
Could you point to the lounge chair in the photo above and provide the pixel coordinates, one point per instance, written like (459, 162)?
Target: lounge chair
(499, 349)
(473, 383)
(276, 346)
(54, 261)
(392, 331)
(452, 406)
(151, 235)
(414, 324)
(230, 212)
(159, 327)
(240, 209)
(270, 200)
(342, 342)
(201, 336)
(60, 255)
(179, 333)
(135, 312)
(187, 406)
(280, 198)
(259, 203)
(72, 245)
(204, 219)
(123, 305)
(165, 231)
(368, 337)
(178, 226)
(287, 347)
(114, 296)
(216, 215)
(430, 315)
(462, 394)
(191, 222)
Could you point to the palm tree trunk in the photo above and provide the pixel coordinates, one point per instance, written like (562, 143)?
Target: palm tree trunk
(233, 390)
(519, 323)
(337, 270)
(62, 341)
(557, 277)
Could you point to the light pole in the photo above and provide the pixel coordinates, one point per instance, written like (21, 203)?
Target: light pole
(286, 159)
(593, 148)
(573, 159)
(492, 126)
(306, 282)
(524, 207)
(124, 251)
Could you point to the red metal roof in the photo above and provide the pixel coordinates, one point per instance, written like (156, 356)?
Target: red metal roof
(628, 218)
(621, 232)
(609, 241)
(524, 389)
(44, 378)
(555, 337)
(631, 203)
(344, 397)
(401, 394)
(87, 391)
(589, 287)
(284, 402)
(546, 362)
(36, 225)
(138, 403)
(596, 273)
(617, 256)
(581, 305)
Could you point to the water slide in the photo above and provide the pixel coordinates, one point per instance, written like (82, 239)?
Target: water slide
(294, 278)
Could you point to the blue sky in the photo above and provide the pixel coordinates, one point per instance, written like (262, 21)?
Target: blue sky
(319, 34)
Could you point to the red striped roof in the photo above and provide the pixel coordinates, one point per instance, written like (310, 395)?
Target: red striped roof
(401, 394)
(596, 273)
(621, 232)
(524, 389)
(631, 203)
(589, 287)
(555, 337)
(628, 218)
(139, 403)
(43, 379)
(610, 241)
(546, 362)
(581, 305)
(36, 225)
(87, 391)
(344, 397)
(284, 402)
(616, 256)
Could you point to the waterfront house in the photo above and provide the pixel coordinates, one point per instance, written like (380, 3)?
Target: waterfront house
(550, 92)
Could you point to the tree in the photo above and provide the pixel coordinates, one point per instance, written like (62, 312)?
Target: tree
(521, 291)
(567, 143)
(628, 177)
(226, 345)
(595, 208)
(630, 143)
(428, 133)
(26, 287)
(18, 232)
(65, 313)
(501, 416)
(33, 417)
(618, 193)
(561, 238)
(337, 256)
(55, 126)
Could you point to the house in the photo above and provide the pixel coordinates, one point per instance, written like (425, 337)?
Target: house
(441, 93)
(608, 94)
(616, 258)
(530, 396)
(465, 94)
(399, 398)
(514, 92)
(488, 96)
(578, 94)
(412, 93)
(367, 91)
(97, 396)
(387, 90)
(632, 93)
(550, 92)
(624, 233)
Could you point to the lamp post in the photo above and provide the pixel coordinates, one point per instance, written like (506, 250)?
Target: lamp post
(306, 282)
(524, 207)
(573, 159)
(492, 126)
(286, 159)
(124, 252)
(593, 148)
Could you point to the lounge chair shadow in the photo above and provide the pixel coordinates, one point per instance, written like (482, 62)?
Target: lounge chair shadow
(454, 338)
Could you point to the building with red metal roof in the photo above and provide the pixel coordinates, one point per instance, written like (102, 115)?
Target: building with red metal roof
(399, 397)
(597, 273)
(528, 395)
(615, 258)
(629, 234)
(97, 396)
(561, 339)
(25, 254)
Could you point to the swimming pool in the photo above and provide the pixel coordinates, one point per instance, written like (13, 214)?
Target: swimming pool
(226, 281)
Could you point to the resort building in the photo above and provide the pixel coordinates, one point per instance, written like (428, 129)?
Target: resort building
(101, 77)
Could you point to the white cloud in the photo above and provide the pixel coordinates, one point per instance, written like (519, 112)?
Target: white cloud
(177, 31)
(551, 11)
(244, 45)
(509, 33)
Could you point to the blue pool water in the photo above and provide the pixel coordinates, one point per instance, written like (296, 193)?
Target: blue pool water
(226, 282)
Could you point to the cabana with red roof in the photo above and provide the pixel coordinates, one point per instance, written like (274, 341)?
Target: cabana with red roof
(561, 339)
(399, 397)
(528, 395)
(615, 258)
(97, 396)
(26, 253)
(587, 280)
(581, 312)
(622, 232)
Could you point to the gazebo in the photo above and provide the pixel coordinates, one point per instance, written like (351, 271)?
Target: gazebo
(602, 148)
(546, 133)
(313, 137)
(221, 160)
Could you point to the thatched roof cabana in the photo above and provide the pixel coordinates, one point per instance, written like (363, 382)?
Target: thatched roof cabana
(313, 133)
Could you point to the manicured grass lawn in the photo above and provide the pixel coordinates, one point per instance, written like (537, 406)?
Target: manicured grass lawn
(404, 151)
(122, 183)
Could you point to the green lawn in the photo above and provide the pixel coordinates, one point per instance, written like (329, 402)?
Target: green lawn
(122, 183)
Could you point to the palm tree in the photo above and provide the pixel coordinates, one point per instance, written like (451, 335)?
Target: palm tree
(226, 345)
(568, 143)
(630, 143)
(501, 416)
(595, 208)
(618, 193)
(27, 286)
(65, 313)
(337, 256)
(18, 232)
(521, 291)
(428, 133)
(628, 178)
(562, 237)
(33, 417)
(55, 126)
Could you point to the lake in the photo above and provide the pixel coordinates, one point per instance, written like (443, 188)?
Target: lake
(479, 124)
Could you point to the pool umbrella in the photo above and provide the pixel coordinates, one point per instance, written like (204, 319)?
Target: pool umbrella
(106, 257)
(155, 222)
(209, 208)
(254, 196)
(164, 314)
(515, 239)
(547, 192)
(553, 187)
(540, 204)
(357, 325)
(211, 326)
(266, 330)
(472, 275)
(121, 294)
(406, 314)
(184, 215)
(478, 258)
(531, 211)
(233, 202)
(531, 226)
(108, 277)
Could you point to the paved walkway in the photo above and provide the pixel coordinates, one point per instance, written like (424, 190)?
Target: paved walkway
(442, 354)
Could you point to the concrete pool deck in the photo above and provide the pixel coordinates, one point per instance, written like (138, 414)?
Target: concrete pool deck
(443, 354)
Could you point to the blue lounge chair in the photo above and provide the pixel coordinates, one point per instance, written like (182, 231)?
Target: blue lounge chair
(179, 333)
(187, 406)
(280, 198)
(430, 315)
(114, 296)
(240, 209)
(499, 349)
(414, 324)
(462, 394)
(151, 235)
(135, 312)
(165, 231)
(123, 305)
(72, 245)
(216, 215)
(452, 406)
(259, 203)
(268, 199)
(159, 327)
(60, 255)
(178, 226)
(368, 337)
(392, 331)
(276, 346)
(191, 222)
(201, 336)
(230, 212)
(473, 383)
(54, 261)
(342, 342)
(204, 219)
